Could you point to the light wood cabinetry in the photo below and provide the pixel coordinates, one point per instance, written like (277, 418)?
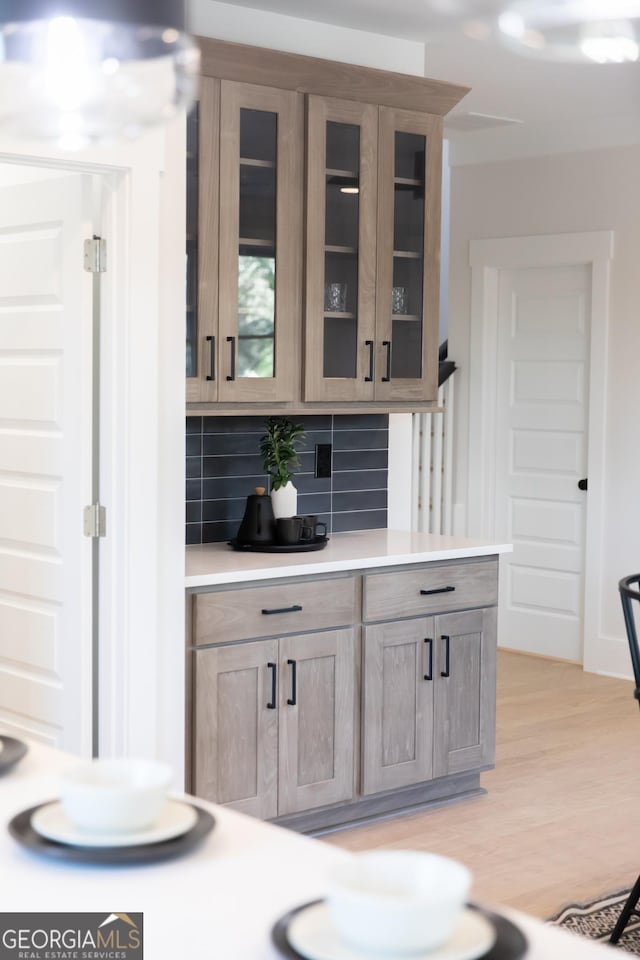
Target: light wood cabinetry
(273, 719)
(373, 239)
(464, 691)
(343, 720)
(250, 222)
(273, 609)
(437, 587)
(370, 200)
(317, 707)
(397, 717)
(236, 727)
(429, 698)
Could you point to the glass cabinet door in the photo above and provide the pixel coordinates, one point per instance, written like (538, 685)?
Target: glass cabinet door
(259, 243)
(203, 129)
(341, 250)
(409, 175)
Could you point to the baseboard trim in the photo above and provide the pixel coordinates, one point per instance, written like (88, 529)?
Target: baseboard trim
(385, 806)
(539, 656)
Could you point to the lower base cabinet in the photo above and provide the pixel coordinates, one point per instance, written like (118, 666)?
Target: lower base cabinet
(274, 723)
(429, 698)
(383, 701)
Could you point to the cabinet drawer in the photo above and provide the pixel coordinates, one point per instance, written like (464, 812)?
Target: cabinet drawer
(453, 586)
(274, 610)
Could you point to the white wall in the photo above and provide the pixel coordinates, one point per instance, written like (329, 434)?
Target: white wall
(598, 190)
(208, 18)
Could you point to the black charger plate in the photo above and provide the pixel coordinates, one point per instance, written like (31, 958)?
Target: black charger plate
(510, 944)
(21, 830)
(305, 546)
(12, 751)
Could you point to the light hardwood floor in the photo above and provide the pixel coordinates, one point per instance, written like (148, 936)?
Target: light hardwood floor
(561, 820)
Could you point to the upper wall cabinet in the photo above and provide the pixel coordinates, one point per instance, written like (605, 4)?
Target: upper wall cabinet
(372, 265)
(312, 251)
(249, 264)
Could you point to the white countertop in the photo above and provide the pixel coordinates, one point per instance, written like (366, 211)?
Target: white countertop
(211, 564)
(218, 902)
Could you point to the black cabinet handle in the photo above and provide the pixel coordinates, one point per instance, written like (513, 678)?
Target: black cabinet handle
(447, 658)
(583, 484)
(232, 341)
(370, 344)
(387, 377)
(429, 674)
(212, 359)
(296, 608)
(429, 593)
(294, 677)
(274, 673)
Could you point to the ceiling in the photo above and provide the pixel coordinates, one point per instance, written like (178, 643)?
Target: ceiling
(561, 107)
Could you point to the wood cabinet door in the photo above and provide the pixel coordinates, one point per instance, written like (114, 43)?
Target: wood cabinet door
(397, 716)
(236, 727)
(408, 270)
(317, 706)
(203, 143)
(465, 691)
(260, 239)
(341, 250)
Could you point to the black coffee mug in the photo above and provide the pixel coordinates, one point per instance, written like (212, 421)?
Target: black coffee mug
(310, 527)
(288, 530)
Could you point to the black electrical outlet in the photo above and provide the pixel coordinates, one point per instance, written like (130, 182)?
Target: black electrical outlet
(323, 460)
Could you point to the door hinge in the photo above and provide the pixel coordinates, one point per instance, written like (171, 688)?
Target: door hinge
(95, 255)
(95, 521)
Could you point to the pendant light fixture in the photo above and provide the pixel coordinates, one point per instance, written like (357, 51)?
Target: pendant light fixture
(83, 72)
(573, 31)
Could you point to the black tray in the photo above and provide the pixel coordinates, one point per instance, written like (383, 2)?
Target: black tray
(12, 751)
(511, 943)
(305, 546)
(21, 830)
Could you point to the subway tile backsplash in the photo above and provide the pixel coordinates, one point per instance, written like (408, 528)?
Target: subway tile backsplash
(224, 466)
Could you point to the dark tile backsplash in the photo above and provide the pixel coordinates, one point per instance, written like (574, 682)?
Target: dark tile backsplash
(224, 467)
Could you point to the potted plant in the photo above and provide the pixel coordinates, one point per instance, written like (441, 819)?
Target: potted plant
(280, 458)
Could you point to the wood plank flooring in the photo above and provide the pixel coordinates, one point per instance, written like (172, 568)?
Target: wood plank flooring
(561, 820)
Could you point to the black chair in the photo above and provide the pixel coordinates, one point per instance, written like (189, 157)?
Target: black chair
(627, 595)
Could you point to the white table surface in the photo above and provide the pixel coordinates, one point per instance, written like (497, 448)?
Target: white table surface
(217, 903)
(212, 564)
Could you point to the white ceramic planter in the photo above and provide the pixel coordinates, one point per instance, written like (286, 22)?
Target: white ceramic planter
(285, 501)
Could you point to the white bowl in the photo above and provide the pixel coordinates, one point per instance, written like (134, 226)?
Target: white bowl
(397, 901)
(115, 795)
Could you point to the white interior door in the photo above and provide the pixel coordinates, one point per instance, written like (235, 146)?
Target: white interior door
(541, 454)
(45, 462)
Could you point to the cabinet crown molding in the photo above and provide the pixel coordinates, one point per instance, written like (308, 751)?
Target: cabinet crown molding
(327, 78)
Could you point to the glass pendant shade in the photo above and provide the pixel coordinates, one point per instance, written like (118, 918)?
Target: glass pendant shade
(84, 72)
(573, 31)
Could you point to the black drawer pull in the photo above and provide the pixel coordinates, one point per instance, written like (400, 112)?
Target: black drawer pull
(447, 659)
(294, 677)
(212, 359)
(370, 344)
(296, 608)
(274, 668)
(387, 376)
(232, 341)
(429, 593)
(429, 675)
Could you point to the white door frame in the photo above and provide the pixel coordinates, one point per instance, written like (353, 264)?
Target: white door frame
(142, 470)
(487, 258)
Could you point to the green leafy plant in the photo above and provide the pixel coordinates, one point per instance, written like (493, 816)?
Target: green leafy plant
(278, 450)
